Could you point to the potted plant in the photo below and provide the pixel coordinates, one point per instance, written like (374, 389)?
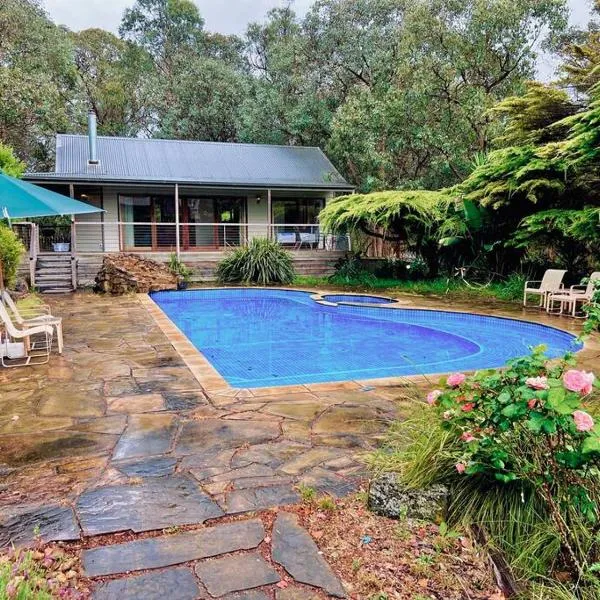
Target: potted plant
(62, 240)
(183, 272)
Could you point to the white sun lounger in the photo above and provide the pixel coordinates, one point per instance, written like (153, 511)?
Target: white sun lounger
(550, 283)
(25, 320)
(23, 347)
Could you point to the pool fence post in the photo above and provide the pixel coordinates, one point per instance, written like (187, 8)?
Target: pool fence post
(269, 217)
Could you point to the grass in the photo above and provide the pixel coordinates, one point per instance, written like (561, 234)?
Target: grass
(508, 291)
(23, 578)
(29, 302)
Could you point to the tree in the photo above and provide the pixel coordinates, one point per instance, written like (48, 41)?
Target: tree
(114, 82)
(9, 163)
(37, 81)
(421, 124)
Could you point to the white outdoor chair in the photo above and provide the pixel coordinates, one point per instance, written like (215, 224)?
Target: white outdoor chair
(23, 347)
(550, 283)
(287, 238)
(310, 239)
(33, 318)
(577, 294)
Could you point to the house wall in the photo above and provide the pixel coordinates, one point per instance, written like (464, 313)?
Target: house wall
(100, 233)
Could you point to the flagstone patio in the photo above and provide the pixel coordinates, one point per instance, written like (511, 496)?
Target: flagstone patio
(118, 435)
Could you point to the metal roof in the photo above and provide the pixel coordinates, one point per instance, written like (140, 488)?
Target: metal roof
(140, 160)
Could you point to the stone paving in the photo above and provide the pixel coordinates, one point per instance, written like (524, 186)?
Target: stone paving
(118, 435)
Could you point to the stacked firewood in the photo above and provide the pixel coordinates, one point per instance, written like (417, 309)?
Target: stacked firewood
(126, 273)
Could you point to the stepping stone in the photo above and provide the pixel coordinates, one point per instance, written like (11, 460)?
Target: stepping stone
(297, 553)
(54, 523)
(151, 467)
(308, 459)
(175, 584)
(216, 434)
(249, 595)
(260, 498)
(156, 503)
(166, 551)
(146, 435)
(326, 482)
(141, 403)
(235, 573)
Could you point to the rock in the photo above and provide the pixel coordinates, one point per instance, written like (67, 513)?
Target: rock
(155, 503)
(51, 523)
(235, 573)
(261, 498)
(146, 435)
(150, 467)
(125, 273)
(176, 584)
(297, 553)
(390, 498)
(166, 551)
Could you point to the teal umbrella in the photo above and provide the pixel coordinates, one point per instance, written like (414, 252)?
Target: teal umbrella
(19, 199)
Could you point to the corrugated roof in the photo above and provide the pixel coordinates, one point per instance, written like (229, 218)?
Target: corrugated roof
(200, 163)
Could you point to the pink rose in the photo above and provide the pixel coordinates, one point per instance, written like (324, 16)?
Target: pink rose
(467, 436)
(537, 383)
(456, 379)
(460, 467)
(532, 403)
(433, 396)
(468, 407)
(583, 421)
(578, 381)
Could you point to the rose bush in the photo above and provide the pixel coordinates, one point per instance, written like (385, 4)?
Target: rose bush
(530, 424)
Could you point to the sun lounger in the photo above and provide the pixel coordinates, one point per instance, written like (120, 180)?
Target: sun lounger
(24, 347)
(24, 319)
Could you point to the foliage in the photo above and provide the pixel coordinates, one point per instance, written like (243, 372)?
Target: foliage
(592, 310)
(350, 269)
(263, 262)
(521, 455)
(179, 268)
(9, 163)
(36, 574)
(11, 250)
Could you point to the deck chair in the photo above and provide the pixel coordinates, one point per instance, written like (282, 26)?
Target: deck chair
(550, 283)
(24, 319)
(23, 347)
(576, 294)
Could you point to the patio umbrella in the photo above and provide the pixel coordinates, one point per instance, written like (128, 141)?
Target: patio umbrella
(19, 199)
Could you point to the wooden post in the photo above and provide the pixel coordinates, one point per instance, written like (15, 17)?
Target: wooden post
(33, 248)
(177, 242)
(269, 216)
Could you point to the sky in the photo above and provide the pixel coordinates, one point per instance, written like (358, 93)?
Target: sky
(225, 16)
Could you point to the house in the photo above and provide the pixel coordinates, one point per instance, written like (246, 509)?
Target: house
(195, 199)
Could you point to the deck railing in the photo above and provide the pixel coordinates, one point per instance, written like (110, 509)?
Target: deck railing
(118, 236)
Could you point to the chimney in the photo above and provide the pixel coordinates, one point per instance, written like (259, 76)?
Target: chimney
(92, 138)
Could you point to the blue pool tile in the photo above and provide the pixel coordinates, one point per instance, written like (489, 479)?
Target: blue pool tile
(260, 338)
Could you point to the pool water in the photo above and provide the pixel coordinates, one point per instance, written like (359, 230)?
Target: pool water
(262, 338)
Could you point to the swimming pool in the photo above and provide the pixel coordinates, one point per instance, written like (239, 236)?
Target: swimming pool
(357, 299)
(262, 338)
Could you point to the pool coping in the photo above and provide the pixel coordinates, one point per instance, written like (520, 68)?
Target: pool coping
(213, 382)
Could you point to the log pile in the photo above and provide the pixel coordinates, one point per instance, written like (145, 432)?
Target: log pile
(125, 273)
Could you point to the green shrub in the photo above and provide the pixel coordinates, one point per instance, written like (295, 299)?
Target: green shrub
(350, 269)
(263, 261)
(521, 454)
(11, 250)
(179, 268)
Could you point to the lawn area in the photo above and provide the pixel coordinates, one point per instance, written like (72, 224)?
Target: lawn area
(510, 290)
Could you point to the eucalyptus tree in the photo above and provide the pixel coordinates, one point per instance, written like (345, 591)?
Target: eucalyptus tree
(37, 80)
(114, 77)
